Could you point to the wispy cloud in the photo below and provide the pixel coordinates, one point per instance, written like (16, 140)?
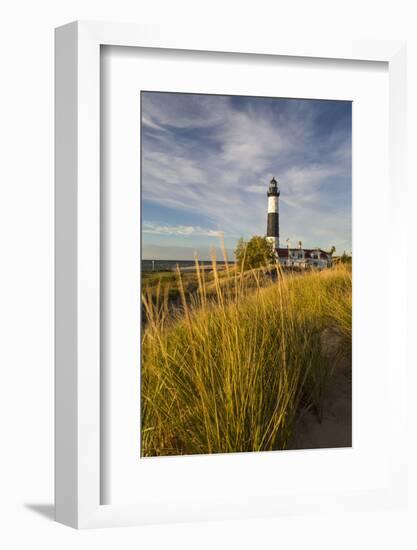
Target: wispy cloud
(256, 189)
(183, 230)
(173, 169)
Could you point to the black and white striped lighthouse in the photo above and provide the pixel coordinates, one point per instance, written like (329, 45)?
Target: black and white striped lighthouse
(272, 233)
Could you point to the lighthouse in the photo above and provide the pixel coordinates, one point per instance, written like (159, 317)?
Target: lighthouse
(272, 233)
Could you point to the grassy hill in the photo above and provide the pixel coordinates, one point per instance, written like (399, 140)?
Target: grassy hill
(229, 370)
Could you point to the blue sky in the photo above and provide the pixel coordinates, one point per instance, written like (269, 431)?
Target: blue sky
(207, 161)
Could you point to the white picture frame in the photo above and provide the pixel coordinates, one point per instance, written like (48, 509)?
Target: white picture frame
(77, 242)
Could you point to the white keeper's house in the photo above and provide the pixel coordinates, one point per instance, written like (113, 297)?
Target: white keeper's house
(300, 258)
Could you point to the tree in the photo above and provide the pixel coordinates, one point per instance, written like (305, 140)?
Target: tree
(256, 252)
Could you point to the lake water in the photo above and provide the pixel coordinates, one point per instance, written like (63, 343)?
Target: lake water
(164, 265)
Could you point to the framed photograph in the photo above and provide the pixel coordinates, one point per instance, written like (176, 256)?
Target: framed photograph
(229, 332)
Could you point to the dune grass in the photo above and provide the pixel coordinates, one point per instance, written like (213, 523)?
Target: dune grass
(229, 371)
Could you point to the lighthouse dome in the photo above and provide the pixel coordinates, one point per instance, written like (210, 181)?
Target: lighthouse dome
(273, 188)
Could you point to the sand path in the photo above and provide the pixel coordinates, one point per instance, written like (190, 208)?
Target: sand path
(334, 429)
